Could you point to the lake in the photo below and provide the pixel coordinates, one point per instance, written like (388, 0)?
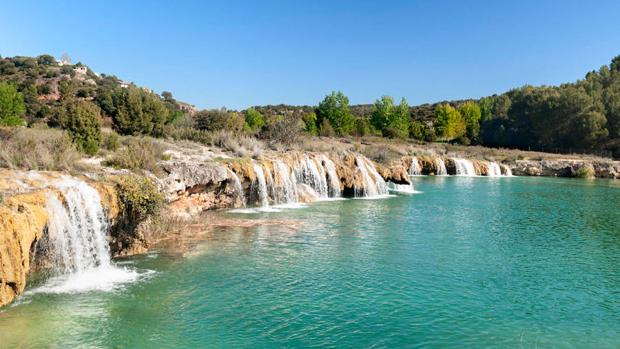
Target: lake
(468, 262)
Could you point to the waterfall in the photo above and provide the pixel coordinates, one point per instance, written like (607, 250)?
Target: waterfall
(464, 167)
(414, 169)
(441, 167)
(76, 241)
(372, 186)
(284, 185)
(314, 176)
(237, 185)
(333, 181)
(77, 228)
(261, 186)
(508, 171)
(493, 169)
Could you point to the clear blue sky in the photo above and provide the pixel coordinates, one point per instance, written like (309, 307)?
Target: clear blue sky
(242, 53)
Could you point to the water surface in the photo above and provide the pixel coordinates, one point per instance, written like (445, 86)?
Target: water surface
(479, 262)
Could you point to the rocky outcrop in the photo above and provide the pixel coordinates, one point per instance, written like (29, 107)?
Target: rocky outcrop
(193, 187)
(567, 168)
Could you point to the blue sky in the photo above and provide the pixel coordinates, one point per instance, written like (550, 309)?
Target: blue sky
(243, 53)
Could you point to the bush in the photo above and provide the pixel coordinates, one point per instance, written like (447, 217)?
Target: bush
(37, 149)
(138, 112)
(111, 141)
(254, 120)
(283, 129)
(241, 145)
(139, 198)
(138, 154)
(218, 120)
(326, 129)
(82, 120)
(310, 122)
(585, 172)
(12, 107)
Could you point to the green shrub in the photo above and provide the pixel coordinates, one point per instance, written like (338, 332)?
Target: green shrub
(139, 198)
(12, 107)
(138, 154)
(218, 120)
(585, 172)
(111, 141)
(138, 112)
(82, 120)
(254, 120)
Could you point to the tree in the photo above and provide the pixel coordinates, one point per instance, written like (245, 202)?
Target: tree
(83, 121)
(416, 130)
(254, 120)
(46, 60)
(470, 111)
(219, 119)
(310, 122)
(12, 107)
(138, 112)
(335, 109)
(392, 121)
(449, 124)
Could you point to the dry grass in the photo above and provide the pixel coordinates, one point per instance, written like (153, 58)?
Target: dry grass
(240, 145)
(138, 155)
(37, 149)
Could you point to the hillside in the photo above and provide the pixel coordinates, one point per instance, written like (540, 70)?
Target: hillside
(581, 117)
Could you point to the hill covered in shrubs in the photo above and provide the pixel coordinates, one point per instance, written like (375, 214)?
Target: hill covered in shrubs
(41, 92)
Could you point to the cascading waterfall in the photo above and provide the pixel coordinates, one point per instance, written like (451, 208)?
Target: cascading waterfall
(77, 228)
(441, 167)
(238, 187)
(76, 240)
(309, 173)
(415, 169)
(508, 171)
(493, 169)
(284, 185)
(261, 186)
(464, 167)
(332, 179)
(373, 186)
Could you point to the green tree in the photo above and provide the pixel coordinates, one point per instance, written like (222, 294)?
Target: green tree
(46, 60)
(219, 119)
(254, 120)
(83, 121)
(392, 121)
(12, 107)
(449, 124)
(138, 112)
(335, 109)
(416, 130)
(310, 122)
(470, 111)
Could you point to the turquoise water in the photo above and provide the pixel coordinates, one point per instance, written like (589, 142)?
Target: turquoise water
(470, 262)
